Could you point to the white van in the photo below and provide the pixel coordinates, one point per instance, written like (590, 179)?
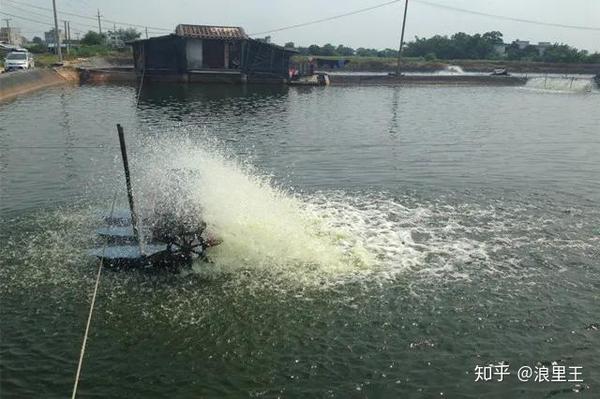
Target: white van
(18, 59)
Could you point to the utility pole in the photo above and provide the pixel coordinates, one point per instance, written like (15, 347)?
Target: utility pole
(56, 34)
(146, 32)
(401, 38)
(8, 29)
(67, 37)
(69, 32)
(99, 23)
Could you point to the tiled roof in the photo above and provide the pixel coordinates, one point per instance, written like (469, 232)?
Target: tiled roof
(211, 32)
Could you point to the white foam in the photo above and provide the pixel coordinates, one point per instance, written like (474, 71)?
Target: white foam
(276, 237)
(451, 70)
(561, 84)
(310, 239)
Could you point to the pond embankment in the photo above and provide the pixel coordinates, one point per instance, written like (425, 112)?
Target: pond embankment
(14, 84)
(126, 73)
(359, 79)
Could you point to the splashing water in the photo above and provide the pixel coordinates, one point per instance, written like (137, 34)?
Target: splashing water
(263, 228)
(311, 239)
(451, 70)
(277, 237)
(561, 84)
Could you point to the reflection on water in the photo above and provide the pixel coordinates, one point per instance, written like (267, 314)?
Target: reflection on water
(380, 242)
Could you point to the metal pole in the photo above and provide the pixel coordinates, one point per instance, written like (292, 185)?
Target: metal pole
(69, 32)
(66, 38)
(56, 34)
(401, 38)
(99, 23)
(8, 29)
(146, 32)
(134, 219)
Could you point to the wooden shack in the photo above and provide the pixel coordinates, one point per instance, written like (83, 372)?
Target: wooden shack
(202, 53)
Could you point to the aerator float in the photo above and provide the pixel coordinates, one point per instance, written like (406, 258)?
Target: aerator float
(165, 240)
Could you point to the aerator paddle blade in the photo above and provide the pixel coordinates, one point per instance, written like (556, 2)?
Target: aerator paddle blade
(127, 253)
(118, 217)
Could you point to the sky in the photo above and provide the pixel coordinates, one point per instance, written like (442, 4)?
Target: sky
(377, 28)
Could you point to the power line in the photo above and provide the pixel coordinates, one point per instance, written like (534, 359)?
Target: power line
(522, 20)
(90, 17)
(328, 18)
(431, 4)
(48, 9)
(86, 26)
(26, 19)
(82, 26)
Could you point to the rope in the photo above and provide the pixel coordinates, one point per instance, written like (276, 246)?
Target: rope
(34, 147)
(137, 100)
(98, 274)
(89, 320)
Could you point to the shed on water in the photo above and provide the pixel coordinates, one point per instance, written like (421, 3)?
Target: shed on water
(202, 53)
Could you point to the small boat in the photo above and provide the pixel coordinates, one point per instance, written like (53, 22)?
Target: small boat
(317, 79)
(500, 72)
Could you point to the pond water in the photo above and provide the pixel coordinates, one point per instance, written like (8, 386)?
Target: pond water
(377, 241)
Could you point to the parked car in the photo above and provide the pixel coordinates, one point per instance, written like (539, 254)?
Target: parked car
(18, 59)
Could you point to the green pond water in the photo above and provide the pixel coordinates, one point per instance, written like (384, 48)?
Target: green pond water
(378, 242)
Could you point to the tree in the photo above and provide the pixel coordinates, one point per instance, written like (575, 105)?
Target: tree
(303, 50)
(92, 38)
(344, 51)
(289, 45)
(387, 53)
(366, 52)
(127, 35)
(313, 49)
(458, 46)
(514, 52)
(328, 50)
(493, 37)
(37, 40)
(430, 57)
(593, 58)
(564, 53)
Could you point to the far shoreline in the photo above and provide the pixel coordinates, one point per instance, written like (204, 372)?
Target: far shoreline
(385, 64)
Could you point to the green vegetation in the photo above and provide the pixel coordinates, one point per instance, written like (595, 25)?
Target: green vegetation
(46, 59)
(93, 39)
(423, 64)
(109, 45)
(462, 46)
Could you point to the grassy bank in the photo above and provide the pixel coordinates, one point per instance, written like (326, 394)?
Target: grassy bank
(117, 58)
(384, 64)
(44, 59)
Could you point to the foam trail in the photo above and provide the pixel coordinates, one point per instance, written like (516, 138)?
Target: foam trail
(561, 84)
(451, 70)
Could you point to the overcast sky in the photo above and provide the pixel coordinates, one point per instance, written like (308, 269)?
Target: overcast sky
(379, 28)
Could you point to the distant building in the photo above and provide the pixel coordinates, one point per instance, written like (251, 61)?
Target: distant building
(542, 46)
(202, 53)
(11, 36)
(500, 49)
(521, 44)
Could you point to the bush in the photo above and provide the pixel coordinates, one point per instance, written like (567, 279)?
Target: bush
(37, 48)
(93, 38)
(430, 57)
(90, 51)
